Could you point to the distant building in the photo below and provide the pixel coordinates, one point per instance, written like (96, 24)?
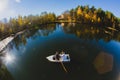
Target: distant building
(61, 17)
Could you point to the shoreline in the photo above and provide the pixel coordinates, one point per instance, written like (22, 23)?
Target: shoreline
(6, 41)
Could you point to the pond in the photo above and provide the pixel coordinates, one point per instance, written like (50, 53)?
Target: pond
(95, 54)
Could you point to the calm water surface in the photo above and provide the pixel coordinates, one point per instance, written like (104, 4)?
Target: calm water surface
(94, 54)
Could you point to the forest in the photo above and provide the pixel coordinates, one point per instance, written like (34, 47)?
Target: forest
(80, 14)
(90, 15)
(20, 23)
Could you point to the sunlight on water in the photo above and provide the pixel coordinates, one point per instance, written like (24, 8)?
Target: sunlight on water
(93, 56)
(8, 58)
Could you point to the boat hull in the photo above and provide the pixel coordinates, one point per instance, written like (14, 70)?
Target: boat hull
(66, 58)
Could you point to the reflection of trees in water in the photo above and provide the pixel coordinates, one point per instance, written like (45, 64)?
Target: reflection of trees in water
(81, 30)
(91, 32)
(44, 30)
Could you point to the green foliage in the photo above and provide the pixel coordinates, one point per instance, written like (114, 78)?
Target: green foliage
(119, 20)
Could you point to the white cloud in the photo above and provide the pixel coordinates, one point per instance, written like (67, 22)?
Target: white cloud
(18, 1)
(6, 10)
(3, 5)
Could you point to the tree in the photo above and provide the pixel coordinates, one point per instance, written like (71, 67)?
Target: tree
(86, 9)
(2, 27)
(72, 14)
(20, 20)
(79, 11)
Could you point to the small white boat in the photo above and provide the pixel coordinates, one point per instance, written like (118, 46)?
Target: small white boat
(63, 58)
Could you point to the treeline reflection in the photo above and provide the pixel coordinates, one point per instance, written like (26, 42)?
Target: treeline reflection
(86, 31)
(21, 39)
(83, 31)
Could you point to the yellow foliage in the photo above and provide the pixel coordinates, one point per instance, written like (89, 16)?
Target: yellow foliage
(10, 30)
(20, 21)
(92, 20)
(2, 27)
(78, 33)
(87, 16)
(94, 17)
(79, 11)
(99, 19)
(112, 19)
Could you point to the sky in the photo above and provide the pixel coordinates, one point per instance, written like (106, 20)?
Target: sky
(13, 8)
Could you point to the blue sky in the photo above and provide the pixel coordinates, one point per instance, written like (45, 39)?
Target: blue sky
(13, 8)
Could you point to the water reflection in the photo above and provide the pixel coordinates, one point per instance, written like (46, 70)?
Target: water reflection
(80, 30)
(7, 57)
(94, 54)
(62, 24)
(91, 32)
(33, 34)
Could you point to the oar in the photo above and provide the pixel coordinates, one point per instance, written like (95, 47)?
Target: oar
(64, 67)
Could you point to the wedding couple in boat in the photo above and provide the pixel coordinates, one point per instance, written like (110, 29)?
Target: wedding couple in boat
(58, 56)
